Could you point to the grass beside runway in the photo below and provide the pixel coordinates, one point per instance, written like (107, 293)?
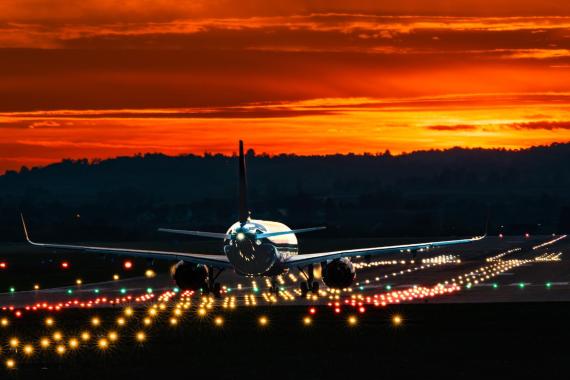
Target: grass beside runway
(462, 340)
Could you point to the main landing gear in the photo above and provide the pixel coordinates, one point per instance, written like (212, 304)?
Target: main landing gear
(310, 285)
(213, 286)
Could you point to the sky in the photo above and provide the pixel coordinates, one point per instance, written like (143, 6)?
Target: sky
(105, 78)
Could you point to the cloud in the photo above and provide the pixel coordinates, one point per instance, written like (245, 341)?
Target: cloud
(525, 126)
(459, 127)
(543, 124)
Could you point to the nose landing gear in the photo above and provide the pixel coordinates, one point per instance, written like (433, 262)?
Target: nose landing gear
(213, 286)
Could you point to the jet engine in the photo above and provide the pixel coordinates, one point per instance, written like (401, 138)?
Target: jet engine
(339, 273)
(190, 276)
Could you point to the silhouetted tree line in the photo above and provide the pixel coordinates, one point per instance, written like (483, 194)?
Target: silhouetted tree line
(418, 194)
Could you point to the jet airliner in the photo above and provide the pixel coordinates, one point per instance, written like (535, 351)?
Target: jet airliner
(255, 248)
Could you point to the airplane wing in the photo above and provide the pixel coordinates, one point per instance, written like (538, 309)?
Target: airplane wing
(217, 261)
(312, 258)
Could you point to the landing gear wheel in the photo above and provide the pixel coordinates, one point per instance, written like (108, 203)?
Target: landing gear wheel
(304, 289)
(315, 287)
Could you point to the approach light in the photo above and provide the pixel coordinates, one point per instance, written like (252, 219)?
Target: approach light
(263, 321)
(396, 320)
(141, 336)
(219, 321)
(103, 343)
(79, 281)
(73, 343)
(352, 320)
(14, 342)
(307, 321)
(116, 277)
(44, 342)
(85, 336)
(60, 349)
(49, 322)
(28, 349)
(10, 364)
(149, 273)
(95, 321)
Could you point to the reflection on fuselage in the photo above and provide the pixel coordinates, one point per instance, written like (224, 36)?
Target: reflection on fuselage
(259, 257)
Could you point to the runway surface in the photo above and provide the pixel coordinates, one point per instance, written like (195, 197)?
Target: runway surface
(510, 269)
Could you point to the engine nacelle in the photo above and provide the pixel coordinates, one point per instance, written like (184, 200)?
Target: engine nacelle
(188, 276)
(339, 273)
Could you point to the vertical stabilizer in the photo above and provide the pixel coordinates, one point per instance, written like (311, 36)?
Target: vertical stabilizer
(243, 209)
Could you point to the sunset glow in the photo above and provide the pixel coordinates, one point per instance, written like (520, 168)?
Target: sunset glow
(99, 79)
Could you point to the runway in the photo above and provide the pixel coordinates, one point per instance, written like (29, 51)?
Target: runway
(510, 269)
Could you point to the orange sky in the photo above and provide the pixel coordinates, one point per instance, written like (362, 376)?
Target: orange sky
(101, 78)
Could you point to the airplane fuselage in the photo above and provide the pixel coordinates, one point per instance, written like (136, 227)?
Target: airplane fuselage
(259, 257)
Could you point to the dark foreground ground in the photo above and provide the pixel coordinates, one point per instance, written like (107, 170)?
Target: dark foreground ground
(435, 340)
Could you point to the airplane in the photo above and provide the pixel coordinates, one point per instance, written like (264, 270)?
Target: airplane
(255, 248)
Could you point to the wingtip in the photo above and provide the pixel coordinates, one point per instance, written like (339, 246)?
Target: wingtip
(26, 234)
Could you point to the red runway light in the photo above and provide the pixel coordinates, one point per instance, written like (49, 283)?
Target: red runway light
(128, 264)
(64, 265)
(3, 265)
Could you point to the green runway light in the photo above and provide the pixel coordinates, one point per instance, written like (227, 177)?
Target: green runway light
(12, 290)
(96, 291)
(123, 290)
(255, 290)
(149, 290)
(468, 286)
(521, 285)
(175, 290)
(361, 287)
(549, 285)
(388, 287)
(229, 290)
(69, 291)
(495, 286)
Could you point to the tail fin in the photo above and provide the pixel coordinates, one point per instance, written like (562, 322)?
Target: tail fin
(243, 208)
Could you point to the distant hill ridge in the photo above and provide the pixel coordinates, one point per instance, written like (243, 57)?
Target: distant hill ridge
(420, 193)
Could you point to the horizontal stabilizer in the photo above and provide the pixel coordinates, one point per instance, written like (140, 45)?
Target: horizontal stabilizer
(279, 233)
(215, 235)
